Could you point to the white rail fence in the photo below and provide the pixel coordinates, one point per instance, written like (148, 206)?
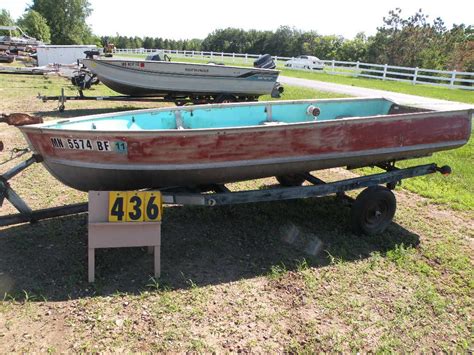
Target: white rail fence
(452, 79)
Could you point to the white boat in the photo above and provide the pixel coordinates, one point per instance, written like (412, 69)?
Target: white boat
(179, 79)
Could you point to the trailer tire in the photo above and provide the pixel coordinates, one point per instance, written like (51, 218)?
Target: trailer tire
(290, 180)
(373, 210)
(225, 99)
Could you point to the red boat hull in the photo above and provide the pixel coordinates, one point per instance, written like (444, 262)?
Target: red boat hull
(194, 157)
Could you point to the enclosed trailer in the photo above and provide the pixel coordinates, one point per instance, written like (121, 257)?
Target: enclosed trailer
(62, 54)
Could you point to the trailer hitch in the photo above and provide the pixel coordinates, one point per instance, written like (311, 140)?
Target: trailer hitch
(444, 170)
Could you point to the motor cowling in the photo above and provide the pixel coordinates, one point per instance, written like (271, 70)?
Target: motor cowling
(92, 54)
(265, 62)
(84, 79)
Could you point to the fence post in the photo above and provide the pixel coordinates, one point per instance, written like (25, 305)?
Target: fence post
(453, 79)
(415, 75)
(222, 56)
(246, 57)
(384, 71)
(357, 69)
(233, 57)
(333, 65)
(212, 55)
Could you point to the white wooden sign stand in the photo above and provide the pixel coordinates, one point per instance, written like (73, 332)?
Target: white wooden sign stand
(105, 234)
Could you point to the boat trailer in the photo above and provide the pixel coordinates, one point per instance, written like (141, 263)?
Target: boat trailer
(372, 211)
(177, 100)
(62, 99)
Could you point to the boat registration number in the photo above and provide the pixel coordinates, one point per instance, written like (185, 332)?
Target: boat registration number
(135, 206)
(88, 144)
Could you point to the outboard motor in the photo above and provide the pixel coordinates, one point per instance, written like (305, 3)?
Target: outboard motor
(158, 57)
(265, 62)
(84, 79)
(91, 54)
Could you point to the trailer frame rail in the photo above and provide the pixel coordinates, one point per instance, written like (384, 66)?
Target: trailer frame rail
(221, 195)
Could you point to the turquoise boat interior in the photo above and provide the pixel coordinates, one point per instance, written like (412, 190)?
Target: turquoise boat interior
(227, 116)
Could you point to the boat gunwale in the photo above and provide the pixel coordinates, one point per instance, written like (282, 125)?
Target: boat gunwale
(43, 127)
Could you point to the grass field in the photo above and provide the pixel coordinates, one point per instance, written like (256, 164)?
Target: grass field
(406, 88)
(455, 190)
(271, 277)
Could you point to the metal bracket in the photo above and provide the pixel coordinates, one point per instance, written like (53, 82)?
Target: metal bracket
(179, 120)
(26, 214)
(268, 110)
(388, 166)
(6, 192)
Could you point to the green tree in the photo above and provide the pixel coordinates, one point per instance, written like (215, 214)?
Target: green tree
(323, 47)
(283, 42)
(66, 20)
(5, 18)
(416, 42)
(35, 25)
(194, 44)
(353, 50)
(158, 43)
(148, 42)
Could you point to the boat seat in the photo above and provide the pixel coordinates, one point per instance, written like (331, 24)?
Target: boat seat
(272, 123)
(179, 120)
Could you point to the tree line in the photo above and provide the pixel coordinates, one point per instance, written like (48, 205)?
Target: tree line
(412, 41)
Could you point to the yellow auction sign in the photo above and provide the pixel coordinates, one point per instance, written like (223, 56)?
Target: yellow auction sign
(135, 206)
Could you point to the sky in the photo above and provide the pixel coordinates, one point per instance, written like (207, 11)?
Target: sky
(186, 19)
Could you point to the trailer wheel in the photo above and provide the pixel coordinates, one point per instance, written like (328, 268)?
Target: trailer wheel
(225, 99)
(290, 180)
(373, 210)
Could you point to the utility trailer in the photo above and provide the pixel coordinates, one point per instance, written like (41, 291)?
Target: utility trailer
(371, 212)
(178, 101)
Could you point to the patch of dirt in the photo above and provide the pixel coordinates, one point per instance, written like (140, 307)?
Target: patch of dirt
(35, 326)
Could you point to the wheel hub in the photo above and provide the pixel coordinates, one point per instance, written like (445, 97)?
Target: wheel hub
(376, 213)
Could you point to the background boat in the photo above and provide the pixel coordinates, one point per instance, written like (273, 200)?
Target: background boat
(164, 78)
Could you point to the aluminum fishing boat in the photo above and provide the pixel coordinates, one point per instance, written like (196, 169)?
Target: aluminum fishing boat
(220, 143)
(175, 79)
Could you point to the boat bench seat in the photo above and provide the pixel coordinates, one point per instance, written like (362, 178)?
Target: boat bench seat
(272, 123)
